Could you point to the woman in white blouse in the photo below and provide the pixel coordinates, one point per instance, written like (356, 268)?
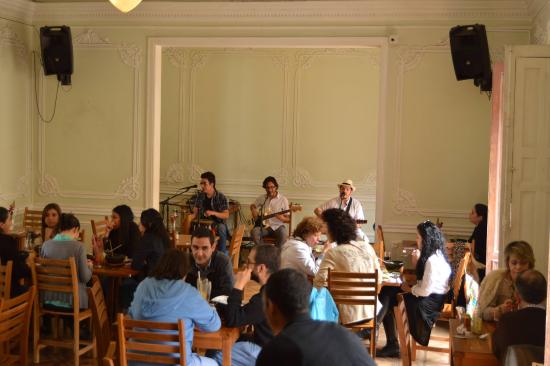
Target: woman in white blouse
(297, 252)
(424, 300)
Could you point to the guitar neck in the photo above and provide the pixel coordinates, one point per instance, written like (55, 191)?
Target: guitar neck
(265, 217)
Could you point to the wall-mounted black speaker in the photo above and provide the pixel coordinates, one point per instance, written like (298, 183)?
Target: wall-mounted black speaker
(470, 52)
(57, 52)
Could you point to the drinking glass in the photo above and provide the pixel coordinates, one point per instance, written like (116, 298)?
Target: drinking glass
(387, 255)
(204, 286)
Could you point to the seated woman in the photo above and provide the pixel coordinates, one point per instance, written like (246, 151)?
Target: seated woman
(123, 232)
(152, 245)
(350, 256)
(165, 297)
(424, 300)
(478, 217)
(63, 246)
(50, 221)
(296, 252)
(497, 291)
(9, 251)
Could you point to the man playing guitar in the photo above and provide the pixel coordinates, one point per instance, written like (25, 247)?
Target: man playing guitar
(270, 203)
(345, 202)
(212, 205)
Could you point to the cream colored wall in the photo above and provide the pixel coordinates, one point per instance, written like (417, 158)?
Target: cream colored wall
(432, 148)
(307, 117)
(541, 25)
(15, 113)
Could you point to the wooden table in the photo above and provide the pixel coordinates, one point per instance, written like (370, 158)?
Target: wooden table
(472, 351)
(115, 275)
(223, 340)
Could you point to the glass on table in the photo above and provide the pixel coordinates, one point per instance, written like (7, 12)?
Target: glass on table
(387, 255)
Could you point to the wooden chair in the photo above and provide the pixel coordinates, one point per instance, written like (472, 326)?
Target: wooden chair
(268, 239)
(59, 275)
(448, 312)
(354, 288)
(407, 344)
(405, 338)
(32, 220)
(15, 317)
(235, 246)
(379, 234)
(5, 280)
(151, 342)
(99, 227)
(102, 325)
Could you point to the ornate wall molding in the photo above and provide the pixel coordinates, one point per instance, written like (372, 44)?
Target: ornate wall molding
(129, 187)
(9, 38)
(408, 58)
(370, 12)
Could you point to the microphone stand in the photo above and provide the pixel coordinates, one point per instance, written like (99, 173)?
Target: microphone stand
(261, 220)
(165, 206)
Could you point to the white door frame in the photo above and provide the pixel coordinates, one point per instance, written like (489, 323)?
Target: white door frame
(154, 77)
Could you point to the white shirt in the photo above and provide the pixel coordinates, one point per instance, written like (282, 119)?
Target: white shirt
(297, 254)
(435, 280)
(272, 205)
(355, 211)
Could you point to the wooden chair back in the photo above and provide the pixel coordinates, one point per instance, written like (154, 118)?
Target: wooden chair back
(99, 227)
(356, 288)
(403, 332)
(15, 317)
(59, 275)
(379, 249)
(32, 220)
(379, 234)
(100, 317)
(151, 342)
(235, 246)
(5, 280)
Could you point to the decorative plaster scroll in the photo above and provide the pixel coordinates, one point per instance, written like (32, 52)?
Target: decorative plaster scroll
(541, 31)
(8, 37)
(130, 55)
(128, 188)
(175, 173)
(48, 186)
(176, 56)
(195, 172)
(91, 38)
(405, 203)
(302, 178)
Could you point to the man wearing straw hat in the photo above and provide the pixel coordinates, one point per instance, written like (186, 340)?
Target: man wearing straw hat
(345, 202)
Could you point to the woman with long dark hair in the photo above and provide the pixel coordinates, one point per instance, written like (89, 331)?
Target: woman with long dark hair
(153, 243)
(50, 221)
(478, 217)
(147, 252)
(123, 231)
(424, 300)
(9, 251)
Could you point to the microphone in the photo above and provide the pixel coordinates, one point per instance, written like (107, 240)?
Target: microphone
(189, 187)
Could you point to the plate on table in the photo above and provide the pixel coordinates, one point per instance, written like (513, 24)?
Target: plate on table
(222, 299)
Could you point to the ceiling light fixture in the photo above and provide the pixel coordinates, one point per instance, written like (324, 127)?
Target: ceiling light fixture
(125, 5)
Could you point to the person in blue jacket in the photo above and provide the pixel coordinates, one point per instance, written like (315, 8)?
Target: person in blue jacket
(164, 296)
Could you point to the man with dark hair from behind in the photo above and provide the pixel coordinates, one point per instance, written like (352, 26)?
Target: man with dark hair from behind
(263, 260)
(300, 340)
(526, 325)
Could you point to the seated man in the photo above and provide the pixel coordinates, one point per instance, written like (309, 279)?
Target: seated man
(211, 264)
(262, 261)
(526, 325)
(270, 203)
(300, 340)
(212, 205)
(346, 202)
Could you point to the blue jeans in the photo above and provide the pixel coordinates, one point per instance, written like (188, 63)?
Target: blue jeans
(242, 354)
(221, 232)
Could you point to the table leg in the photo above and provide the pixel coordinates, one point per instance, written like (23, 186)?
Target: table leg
(226, 351)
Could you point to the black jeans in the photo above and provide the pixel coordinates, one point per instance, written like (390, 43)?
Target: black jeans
(386, 316)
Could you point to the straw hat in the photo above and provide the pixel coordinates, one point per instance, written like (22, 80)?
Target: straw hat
(348, 183)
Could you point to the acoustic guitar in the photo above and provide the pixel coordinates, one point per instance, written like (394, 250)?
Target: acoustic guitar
(261, 219)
